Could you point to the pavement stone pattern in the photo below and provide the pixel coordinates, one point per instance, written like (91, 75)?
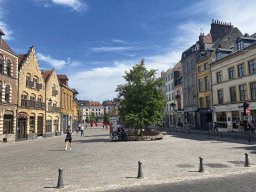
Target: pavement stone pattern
(95, 164)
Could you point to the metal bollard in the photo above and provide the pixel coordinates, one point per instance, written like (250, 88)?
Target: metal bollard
(60, 179)
(201, 168)
(140, 175)
(246, 160)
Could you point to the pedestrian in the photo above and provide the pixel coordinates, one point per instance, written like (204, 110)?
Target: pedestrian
(82, 130)
(181, 125)
(215, 127)
(68, 137)
(178, 125)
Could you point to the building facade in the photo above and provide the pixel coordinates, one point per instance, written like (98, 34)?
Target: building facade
(53, 110)
(96, 108)
(31, 111)
(233, 83)
(8, 91)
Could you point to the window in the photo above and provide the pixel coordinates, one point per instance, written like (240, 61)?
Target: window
(206, 66)
(70, 106)
(184, 68)
(240, 70)
(35, 82)
(252, 66)
(32, 123)
(8, 68)
(32, 98)
(1, 66)
(172, 76)
(220, 96)
(200, 83)
(188, 65)
(208, 101)
(53, 90)
(240, 45)
(231, 73)
(86, 109)
(39, 99)
(99, 113)
(64, 100)
(172, 96)
(56, 124)
(242, 89)
(179, 105)
(27, 80)
(169, 96)
(253, 91)
(67, 100)
(172, 86)
(194, 79)
(92, 109)
(54, 104)
(218, 55)
(23, 99)
(7, 93)
(165, 79)
(221, 119)
(178, 92)
(199, 68)
(48, 126)
(8, 124)
(0, 92)
(233, 94)
(219, 77)
(168, 77)
(207, 83)
(169, 87)
(192, 64)
(201, 102)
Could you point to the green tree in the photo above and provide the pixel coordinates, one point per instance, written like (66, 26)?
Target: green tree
(92, 117)
(106, 118)
(143, 101)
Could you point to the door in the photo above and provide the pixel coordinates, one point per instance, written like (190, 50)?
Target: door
(204, 122)
(22, 129)
(8, 126)
(39, 126)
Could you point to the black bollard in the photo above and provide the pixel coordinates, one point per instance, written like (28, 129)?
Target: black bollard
(246, 160)
(201, 168)
(140, 175)
(249, 138)
(60, 179)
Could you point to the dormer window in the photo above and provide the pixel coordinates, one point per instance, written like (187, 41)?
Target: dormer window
(240, 45)
(184, 56)
(218, 55)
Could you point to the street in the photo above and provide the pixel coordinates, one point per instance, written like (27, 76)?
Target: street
(95, 164)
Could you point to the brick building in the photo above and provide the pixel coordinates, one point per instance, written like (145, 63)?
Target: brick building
(8, 91)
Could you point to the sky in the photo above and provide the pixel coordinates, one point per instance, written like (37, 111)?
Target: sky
(94, 42)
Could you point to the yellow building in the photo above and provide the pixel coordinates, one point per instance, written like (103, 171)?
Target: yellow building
(204, 91)
(53, 110)
(66, 103)
(75, 112)
(31, 111)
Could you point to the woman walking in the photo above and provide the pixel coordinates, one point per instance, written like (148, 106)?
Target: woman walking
(68, 138)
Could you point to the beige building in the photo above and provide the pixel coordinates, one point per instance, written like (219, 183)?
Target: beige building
(233, 83)
(53, 110)
(31, 111)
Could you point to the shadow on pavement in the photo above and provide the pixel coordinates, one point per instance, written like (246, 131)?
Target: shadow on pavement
(91, 141)
(131, 177)
(56, 150)
(252, 149)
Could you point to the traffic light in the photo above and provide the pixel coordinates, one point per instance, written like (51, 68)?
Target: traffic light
(245, 105)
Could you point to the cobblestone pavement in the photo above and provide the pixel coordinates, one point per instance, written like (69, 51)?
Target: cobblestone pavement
(235, 183)
(95, 164)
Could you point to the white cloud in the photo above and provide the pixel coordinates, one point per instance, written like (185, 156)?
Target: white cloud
(105, 49)
(75, 4)
(58, 64)
(119, 41)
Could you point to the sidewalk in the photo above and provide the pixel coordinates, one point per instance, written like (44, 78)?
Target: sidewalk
(95, 164)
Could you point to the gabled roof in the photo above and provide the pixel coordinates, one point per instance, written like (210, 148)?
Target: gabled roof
(95, 104)
(21, 59)
(1, 32)
(46, 75)
(6, 46)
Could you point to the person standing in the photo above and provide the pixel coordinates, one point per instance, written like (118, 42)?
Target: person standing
(82, 130)
(215, 127)
(68, 137)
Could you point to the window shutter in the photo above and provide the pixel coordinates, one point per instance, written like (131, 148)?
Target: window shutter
(43, 105)
(31, 84)
(39, 86)
(29, 103)
(56, 92)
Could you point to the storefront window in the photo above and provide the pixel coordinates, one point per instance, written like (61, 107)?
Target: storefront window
(235, 119)
(221, 120)
(32, 124)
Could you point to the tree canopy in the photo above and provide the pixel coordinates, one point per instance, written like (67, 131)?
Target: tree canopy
(143, 101)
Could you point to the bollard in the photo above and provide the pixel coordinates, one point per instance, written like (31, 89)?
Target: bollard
(246, 160)
(60, 179)
(140, 175)
(249, 138)
(201, 168)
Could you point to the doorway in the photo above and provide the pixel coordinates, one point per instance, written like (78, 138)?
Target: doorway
(39, 126)
(22, 129)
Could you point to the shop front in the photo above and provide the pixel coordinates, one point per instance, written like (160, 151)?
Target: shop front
(22, 126)
(205, 116)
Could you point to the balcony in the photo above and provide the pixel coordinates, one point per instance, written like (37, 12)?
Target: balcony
(54, 109)
(32, 104)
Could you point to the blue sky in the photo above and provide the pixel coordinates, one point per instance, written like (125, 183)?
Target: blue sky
(93, 42)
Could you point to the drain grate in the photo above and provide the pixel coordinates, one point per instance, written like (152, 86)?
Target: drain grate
(184, 166)
(216, 165)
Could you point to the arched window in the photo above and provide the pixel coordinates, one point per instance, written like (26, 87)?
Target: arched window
(24, 98)
(1, 64)
(179, 105)
(27, 80)
(7, 93)
(8, 68)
